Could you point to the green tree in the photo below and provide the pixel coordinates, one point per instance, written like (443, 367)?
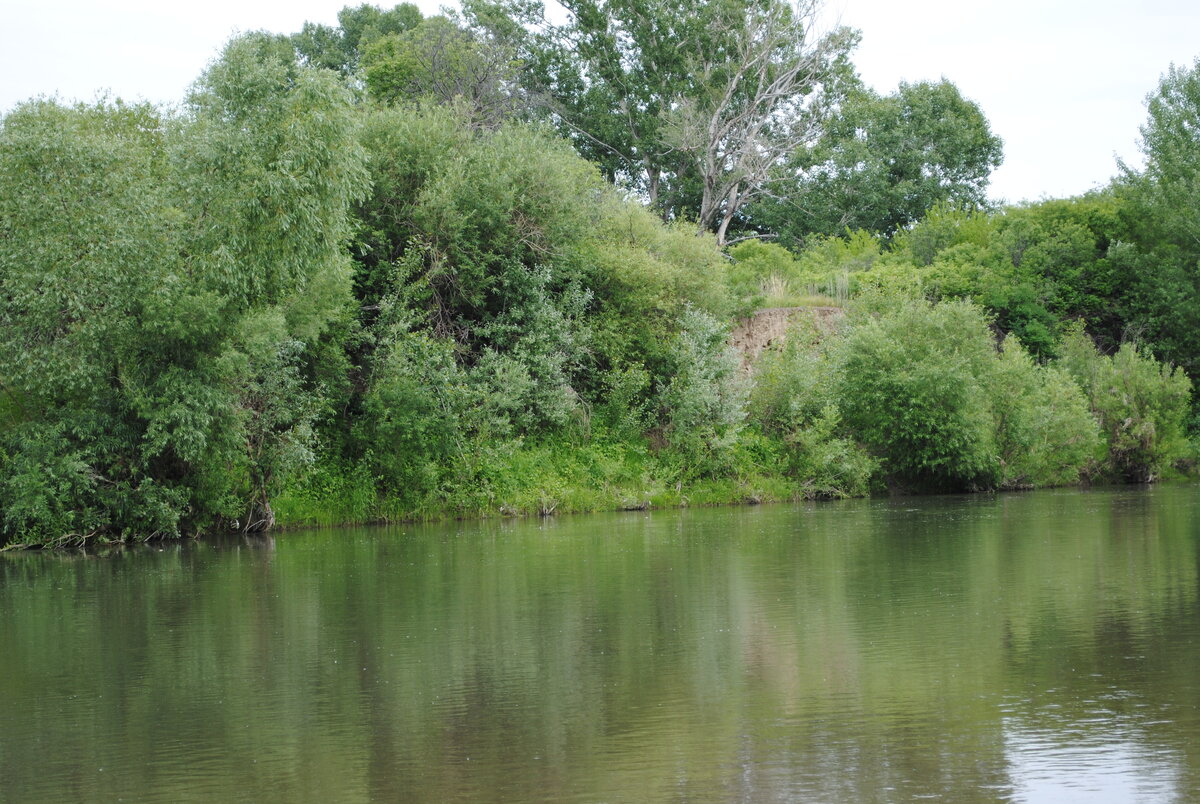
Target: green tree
(439, 60)
(689, 104)
(882, 161)
(166, 283)
(269, 159)
(341, 48)
(88, 247)
(1171, 144)
(1162, 213)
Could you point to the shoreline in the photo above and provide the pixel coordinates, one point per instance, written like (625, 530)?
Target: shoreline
(710, 500)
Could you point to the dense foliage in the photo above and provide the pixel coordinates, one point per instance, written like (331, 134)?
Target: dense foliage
(166, 283)
(360, 274)
(881, 162)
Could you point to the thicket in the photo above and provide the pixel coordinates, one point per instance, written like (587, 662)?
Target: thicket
(167, 286)
(311, 298)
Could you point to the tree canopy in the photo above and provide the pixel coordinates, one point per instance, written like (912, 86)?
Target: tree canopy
(163, 283)
(881, 162)
(690, 104)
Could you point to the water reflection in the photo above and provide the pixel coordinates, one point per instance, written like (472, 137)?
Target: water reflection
(1027, 647)
(1061, 767)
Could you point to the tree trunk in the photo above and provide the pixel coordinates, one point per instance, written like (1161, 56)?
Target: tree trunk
(653, 175)
(260, 518)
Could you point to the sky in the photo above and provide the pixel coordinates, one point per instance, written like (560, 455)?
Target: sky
(1062, 82)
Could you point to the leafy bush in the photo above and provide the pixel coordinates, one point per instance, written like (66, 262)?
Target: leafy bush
(913, 386)
(412, 422)
(792, 402)
(1141, 406)
(925, 387)
(1045, 433)
(643, 276)
(818, 456)
(704, 401)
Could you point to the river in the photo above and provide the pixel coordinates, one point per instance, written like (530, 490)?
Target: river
(1040, 647)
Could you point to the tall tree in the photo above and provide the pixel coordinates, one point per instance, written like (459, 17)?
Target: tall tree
(752, 103)
(443, 61)
(164, 284)
(342, 47)
(1171, 144)
(1162, 212)
(882, 161)
(689, 104)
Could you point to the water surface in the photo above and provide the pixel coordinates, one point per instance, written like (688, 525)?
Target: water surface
(1026, 647)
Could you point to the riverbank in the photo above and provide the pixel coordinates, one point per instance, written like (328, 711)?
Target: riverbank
(543, 480)
(556, 478)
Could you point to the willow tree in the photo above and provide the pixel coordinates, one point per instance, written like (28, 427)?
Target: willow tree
(162, 281)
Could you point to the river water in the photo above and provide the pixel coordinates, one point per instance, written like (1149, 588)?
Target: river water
(1025, 647)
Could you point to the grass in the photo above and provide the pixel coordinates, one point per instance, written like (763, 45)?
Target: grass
(522, 479)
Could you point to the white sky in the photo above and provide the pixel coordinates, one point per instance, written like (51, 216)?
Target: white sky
(1063, 82)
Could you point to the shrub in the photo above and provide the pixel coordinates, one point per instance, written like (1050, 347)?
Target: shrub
(1140, 404)
(1045, 433)
(913, 386)
(793, 403)
(704, 403)
(412, 418)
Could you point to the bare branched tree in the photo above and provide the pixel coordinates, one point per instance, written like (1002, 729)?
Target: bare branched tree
(755, 104)
(690, 103)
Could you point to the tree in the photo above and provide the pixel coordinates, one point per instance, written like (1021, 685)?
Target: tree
(1171, 144)
(268, 166)
(882, 162)
(82, 196)
(341, 48)
(1162, 214)
(439, 60)
(752, 106)
(689, 104)
(164, 285)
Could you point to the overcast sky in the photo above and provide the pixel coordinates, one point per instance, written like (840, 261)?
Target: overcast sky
(1063, 83)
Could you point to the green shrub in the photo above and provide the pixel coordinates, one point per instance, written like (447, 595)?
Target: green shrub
(1141, 406)
(793, 403)
(413, 417)
(704, 402)
(926, 388)
(643, 276)
(913, 387)
(1045, 433)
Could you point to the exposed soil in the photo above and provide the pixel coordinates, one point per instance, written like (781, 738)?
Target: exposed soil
(768, 329)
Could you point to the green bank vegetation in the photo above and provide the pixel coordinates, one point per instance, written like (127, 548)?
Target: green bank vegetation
(413, 267)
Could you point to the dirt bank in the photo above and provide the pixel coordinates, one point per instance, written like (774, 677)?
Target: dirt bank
(768, 328)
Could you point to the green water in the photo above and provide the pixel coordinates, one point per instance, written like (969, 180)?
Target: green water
(1028, 647)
